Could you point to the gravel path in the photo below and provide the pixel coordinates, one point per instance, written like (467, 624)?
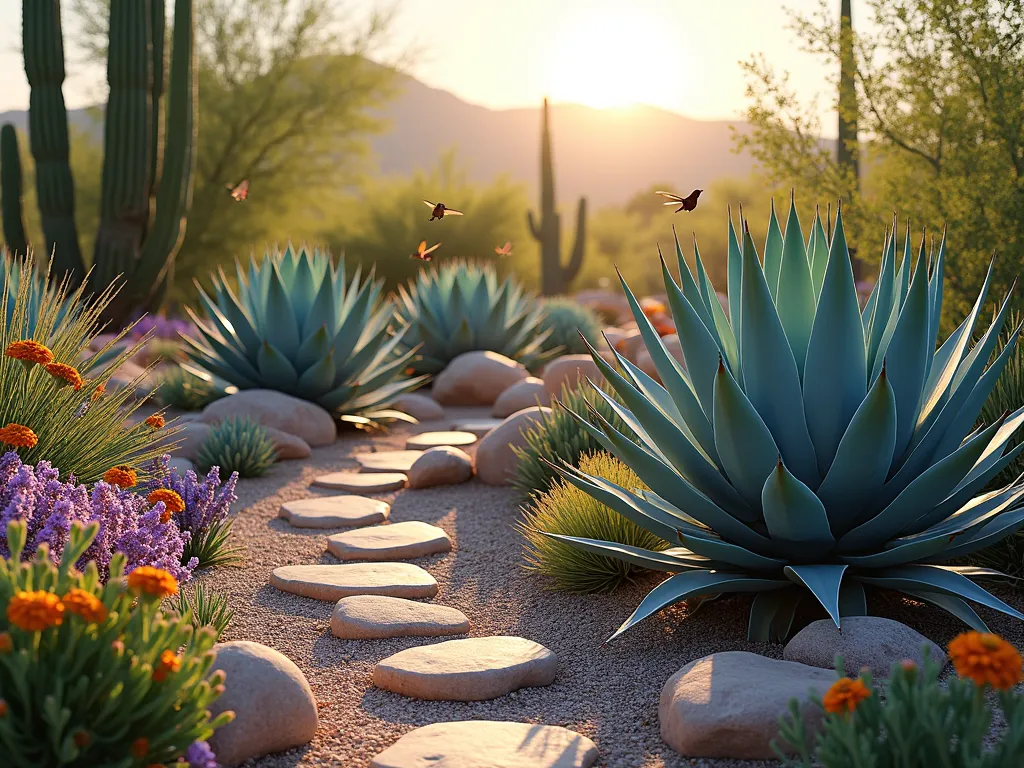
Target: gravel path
(606, 692)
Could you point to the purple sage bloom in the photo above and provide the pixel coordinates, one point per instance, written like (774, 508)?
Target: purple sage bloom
(206, 502)
(199, 755)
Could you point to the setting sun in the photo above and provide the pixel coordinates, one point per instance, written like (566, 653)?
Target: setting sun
(617, 58)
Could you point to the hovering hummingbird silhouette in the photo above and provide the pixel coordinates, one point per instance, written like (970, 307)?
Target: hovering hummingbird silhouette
(440, 211)
(687, 203)
(239, 191)
(505, 250)
(423, 253)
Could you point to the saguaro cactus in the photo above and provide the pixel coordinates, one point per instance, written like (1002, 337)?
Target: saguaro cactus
(554, 277)
(10, 191)
(147, 186)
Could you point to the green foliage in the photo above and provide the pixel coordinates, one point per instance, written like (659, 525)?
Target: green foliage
(83, 693)
(918, 723)
(297, 324)
(81, 436)
(565, 511)
(567, 319)
(204, 608)
(211, 545)
(558, 437)
(11, 191)
(181, 389)
(812, 448)
(236, 445)
(461, 307)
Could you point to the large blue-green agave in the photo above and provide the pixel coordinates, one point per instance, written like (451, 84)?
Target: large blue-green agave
(808, 446)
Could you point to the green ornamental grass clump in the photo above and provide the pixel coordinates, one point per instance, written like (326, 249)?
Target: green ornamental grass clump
(94, 674)
(567, 320)
(183, 390)
(812, 449)
(237, 445)
(567, 511)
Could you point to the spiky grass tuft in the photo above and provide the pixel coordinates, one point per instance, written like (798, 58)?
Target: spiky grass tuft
(237, 445)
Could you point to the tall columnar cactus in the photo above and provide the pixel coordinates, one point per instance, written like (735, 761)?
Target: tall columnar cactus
(555, 277)
(147, 184)
(10, 191)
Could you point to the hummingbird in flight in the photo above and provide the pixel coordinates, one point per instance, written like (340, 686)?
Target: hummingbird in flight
(239, 191)
(440, 211)
(687, 203)
(423, 253)
(505, 250)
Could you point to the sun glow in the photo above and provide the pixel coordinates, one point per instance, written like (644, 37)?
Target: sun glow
(619, 57)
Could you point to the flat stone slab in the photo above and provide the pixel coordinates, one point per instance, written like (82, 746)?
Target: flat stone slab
(389, 542)
(474, 669)
(333, 582)
(488, 744)
(387, 461)
(426, 440)
(478, 427)
(359, 483)
(334, 511)
(372, 616)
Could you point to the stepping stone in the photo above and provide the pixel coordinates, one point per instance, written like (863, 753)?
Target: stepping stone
(333, 582)
(488, 744)
(478, 427)
(400, 541)
(387, 461)
(381, 482)
(371, 616)
(344, 511)
(474, 669)
(434, 439)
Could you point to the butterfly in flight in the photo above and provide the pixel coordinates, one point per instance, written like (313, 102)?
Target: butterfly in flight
(239, 191)
(687, 203)
(423, 253)
(440, 211)
(505, 250)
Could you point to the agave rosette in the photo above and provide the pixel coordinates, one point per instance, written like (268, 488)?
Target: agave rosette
(460, 307)
(811, 448)
(299, 326)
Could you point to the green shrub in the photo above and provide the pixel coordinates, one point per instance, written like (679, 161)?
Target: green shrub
(205, 608)
(566, 320)
(567, 511)
(89, 676)
(211, 545)
(181, 389)
(237, 445)
(559, 437)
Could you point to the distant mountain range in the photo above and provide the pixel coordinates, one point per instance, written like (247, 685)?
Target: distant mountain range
(605, 155)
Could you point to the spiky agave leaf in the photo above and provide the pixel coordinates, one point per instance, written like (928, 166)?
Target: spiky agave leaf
(297, 325)
(831, 451)
(460, 307)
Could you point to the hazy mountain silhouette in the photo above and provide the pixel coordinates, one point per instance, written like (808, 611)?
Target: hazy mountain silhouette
(606, 155)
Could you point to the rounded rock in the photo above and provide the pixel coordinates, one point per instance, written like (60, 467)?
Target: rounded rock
(278, 410)
(288, 446)
(440, 466)
(476, 378)
(522, 394)
(571, 372)
(495, 459)
(420, 407)
(363, 617)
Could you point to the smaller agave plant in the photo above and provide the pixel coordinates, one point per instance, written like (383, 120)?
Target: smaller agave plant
(460, 307)
(298, 325)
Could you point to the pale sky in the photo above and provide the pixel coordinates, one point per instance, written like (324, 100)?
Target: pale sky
(681, 55)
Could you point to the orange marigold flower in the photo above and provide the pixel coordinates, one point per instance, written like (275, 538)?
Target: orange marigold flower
(122, 476)
(153, 581)
(65, 373)
(35, 611)
(98, 392)
(140, 747)
(986, 659)
(652, 307)
(844, 695)
(29, 352)
(18, 435)
(6, 643)
(169, 662)
(173, 503)
(86, 605)
(156, 421)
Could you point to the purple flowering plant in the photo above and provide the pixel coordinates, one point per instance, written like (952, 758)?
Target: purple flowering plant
(162, 327)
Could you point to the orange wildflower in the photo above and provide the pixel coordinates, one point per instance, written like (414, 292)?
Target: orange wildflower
(29, 352)
(122, 476)
(173, 503)
(169, 662)
(156, 421)
(986, 659)
(844, 695)
(35, 611)
(65, 373)
(98, 392)
(18, 435)
(140, 747)
(153, 581)
(6, 643)
(86, 605)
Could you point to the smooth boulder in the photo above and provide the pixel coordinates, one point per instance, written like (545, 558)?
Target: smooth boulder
(476, 378)
(523, 394)
(495, 459)
(727, 705)
(440, 466)
(273, 704)
(570, 372)
(278, 410)
(189, 440)
(420, 407)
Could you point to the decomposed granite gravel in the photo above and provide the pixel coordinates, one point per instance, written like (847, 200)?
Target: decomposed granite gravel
(608, 693)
